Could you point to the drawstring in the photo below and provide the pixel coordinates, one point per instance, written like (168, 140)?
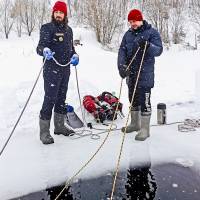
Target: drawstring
(65, 65)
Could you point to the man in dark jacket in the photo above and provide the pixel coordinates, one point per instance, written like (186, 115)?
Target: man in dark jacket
(140, 36)
(56, 41)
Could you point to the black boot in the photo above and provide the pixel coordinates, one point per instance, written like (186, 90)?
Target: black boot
(60, 127)
(45, 136)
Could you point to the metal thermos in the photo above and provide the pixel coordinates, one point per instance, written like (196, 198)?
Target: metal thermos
(161, 113)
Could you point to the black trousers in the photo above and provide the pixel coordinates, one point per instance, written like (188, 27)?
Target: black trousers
(56, 80)
(142, 99)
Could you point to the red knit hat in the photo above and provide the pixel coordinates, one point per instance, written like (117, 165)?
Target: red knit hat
(135, 15)
(60, 6)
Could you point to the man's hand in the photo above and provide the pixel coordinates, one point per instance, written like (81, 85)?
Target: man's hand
(74, 60)
(124, 72)
(142, 42)
(48, 54)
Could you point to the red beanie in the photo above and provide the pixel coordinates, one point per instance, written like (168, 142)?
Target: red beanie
(60, 6)
(135, 15)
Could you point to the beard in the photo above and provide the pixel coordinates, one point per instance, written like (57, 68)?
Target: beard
(59, 19)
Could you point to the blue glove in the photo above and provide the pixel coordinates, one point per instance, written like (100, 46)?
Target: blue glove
(74, 60)
(48, 54)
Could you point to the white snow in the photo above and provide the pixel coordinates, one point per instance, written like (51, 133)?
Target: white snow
(27, 165)
(174, 185)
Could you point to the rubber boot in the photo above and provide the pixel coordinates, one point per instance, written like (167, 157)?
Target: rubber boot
(60, 127)
(144, 132)
(45, 136)
(135, 124)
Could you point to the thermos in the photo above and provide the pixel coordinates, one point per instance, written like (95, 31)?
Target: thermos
(72, 118)
(161, 113)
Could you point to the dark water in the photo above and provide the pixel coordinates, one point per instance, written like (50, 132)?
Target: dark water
(162, 182)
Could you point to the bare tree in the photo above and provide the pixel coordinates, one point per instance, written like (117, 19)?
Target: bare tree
(195, 16)
(77, 10)
(29, 17)
(137, 4)
(7, 19)
(166, 16)
(43, 11)
(105, 20)
(17, 10)
(69, 7)
(177, 18)
(156, 11)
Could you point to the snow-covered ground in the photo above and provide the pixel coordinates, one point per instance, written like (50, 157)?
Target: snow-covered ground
(27, 165)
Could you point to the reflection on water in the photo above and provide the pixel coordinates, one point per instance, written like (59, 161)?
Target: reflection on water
(54, 192)
(140, 184)
(162, 182)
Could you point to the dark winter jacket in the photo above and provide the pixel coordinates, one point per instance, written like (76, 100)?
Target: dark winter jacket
(59, 39)
(129, 46)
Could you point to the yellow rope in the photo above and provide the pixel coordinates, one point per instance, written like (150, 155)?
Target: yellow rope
(67, 183)
(110, 128)
(124, 133)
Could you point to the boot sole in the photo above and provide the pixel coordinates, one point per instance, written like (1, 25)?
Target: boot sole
(122, 130)
(141, 139)
(47, 142)
(58, 133)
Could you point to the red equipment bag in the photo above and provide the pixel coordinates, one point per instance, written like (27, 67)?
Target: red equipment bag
(102, 107)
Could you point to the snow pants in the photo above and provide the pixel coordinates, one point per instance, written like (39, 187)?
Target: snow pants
(56, 80)
(142, 98)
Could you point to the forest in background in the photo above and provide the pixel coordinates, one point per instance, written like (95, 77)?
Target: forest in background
(172, 18)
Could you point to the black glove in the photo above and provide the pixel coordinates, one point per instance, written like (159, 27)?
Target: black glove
(142, 42)
(123, 72)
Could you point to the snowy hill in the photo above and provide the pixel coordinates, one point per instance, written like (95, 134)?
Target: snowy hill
(27, 165)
